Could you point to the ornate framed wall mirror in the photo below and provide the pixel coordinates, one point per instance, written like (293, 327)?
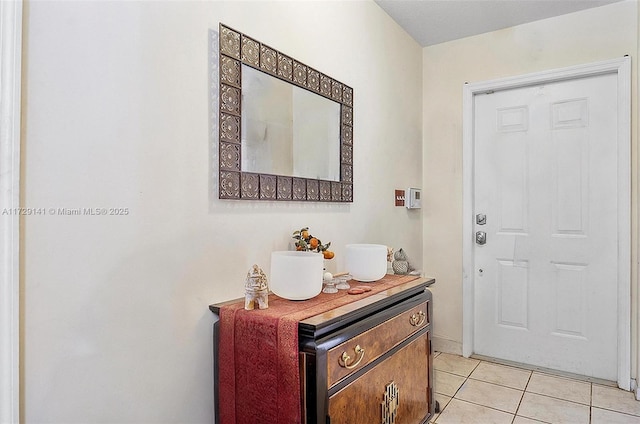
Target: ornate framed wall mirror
(286, 129)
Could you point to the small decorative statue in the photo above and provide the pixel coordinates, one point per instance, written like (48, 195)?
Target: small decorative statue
(401, 263)
(256, 289)
(390, 260)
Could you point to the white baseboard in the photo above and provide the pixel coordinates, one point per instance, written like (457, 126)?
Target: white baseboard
(447, 346)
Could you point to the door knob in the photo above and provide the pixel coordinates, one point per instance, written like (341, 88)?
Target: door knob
(481, 237)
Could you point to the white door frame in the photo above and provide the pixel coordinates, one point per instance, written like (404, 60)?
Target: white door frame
(621, 67)
(10, 83)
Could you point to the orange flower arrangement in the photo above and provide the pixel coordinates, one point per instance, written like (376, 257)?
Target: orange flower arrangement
(308, 243)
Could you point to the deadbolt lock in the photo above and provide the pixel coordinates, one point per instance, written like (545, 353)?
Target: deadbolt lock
(481, 219)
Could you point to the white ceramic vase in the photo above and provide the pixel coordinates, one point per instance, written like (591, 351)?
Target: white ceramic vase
(366, 262)
(296, 275)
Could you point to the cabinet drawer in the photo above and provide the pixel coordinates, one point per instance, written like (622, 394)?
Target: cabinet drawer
(366, 347)
(396, 387)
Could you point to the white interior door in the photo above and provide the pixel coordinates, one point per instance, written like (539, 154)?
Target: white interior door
(545, 281)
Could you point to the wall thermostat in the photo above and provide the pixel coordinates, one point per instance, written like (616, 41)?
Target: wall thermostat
(413, 198)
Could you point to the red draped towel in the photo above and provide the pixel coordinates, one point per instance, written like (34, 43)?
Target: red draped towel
(258, 360)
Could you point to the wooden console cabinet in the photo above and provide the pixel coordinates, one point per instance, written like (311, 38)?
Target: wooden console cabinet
(370, 360)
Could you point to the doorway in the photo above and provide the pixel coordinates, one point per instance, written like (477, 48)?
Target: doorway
(10, 81)
(546, 252)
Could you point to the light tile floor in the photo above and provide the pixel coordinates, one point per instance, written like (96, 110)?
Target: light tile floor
(481, 392)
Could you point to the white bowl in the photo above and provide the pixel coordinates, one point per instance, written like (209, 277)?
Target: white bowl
(296, 275)
(366, 262)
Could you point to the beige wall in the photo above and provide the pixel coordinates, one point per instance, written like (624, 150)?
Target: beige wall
(116, 326)
(116, 114)
(588, 36)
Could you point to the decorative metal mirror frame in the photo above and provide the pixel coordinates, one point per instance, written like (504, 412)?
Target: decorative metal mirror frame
(236, 49)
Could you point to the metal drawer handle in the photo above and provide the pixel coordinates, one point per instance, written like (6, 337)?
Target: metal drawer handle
(345, 358)
(418, 319)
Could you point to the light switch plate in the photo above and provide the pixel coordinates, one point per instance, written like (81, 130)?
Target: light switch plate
(399, 199)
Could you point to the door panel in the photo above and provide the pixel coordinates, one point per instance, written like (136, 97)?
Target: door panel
(545, 175)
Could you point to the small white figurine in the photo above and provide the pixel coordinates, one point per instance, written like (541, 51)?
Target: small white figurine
(256, 289)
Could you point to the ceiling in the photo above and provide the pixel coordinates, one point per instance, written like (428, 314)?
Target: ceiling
(436, 21)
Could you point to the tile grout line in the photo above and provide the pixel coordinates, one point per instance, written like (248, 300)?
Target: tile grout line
(560, 399)
(524, 390)
(487, 407)
(617, 411)
(590, 403)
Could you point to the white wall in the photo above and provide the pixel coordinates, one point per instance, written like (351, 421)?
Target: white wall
(116, 326)
(596, 34)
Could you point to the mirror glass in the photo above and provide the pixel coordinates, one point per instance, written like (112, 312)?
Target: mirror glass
(285, 129)
(288, 130)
